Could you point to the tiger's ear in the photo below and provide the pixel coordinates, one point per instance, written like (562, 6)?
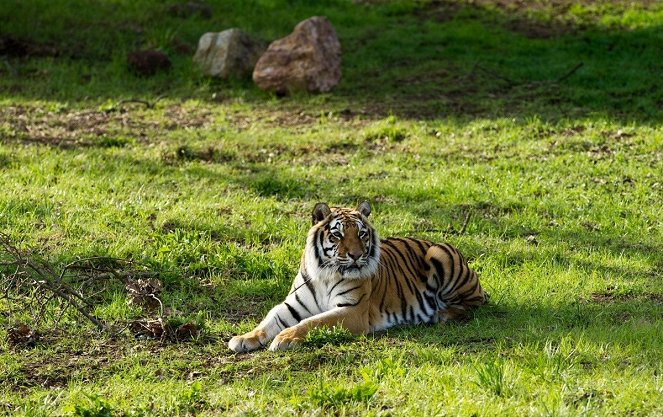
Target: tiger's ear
(320, 212)
(364, 208)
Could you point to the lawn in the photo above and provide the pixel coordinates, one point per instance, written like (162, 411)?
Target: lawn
(527, 134)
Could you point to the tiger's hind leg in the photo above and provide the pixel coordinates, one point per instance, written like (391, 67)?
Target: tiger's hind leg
(456, 286)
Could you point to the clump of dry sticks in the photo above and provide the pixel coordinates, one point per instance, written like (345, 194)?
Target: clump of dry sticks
(35, 292)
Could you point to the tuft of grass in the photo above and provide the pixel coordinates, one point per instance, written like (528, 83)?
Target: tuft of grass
(321, 336)
(334, 396)
(491, 377)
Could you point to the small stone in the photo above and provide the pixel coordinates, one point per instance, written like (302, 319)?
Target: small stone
(231, 53)
(148, 62)
(308, 59)
(531, 239)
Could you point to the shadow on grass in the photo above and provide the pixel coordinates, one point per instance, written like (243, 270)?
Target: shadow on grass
(421, 60)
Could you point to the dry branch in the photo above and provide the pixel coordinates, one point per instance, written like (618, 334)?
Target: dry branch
(30, 284)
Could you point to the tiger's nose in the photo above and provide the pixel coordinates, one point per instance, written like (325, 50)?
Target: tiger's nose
(355, 255)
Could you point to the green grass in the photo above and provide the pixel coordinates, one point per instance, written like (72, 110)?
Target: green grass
(445, 110)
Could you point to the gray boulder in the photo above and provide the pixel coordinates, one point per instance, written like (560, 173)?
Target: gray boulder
(231, 53)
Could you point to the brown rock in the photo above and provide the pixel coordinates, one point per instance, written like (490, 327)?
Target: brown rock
(308, 59)
(148, 62)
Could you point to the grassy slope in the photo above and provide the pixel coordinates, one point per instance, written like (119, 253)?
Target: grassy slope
(443, 111)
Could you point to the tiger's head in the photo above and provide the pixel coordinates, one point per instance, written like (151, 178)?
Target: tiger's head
(342, 243)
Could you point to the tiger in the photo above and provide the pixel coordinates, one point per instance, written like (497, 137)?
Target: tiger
(348, 277)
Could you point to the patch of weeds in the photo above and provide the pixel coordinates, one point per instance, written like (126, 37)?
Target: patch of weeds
(386, 368)
(182, 247)
(186, 153)
(116, 141)
(191, 400)
(321, 336)
(91, 405)
(186, 328)
(332, 396)
(587, 398)
(280, 187)
(490, 376)
(388, 133)
(388, 130)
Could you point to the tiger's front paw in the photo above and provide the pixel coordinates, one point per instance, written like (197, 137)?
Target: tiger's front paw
(287, 339)
(247, 342)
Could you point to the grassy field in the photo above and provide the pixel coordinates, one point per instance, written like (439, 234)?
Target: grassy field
(527, 134)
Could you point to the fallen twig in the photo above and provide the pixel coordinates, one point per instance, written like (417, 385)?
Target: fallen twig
(147, 104)
(512, 83)
(465, 223)
(570, 73)
(494, 74)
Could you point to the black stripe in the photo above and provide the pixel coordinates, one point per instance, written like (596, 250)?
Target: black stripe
(311, 288)
(475, 298)
(302, 304)
(347, 291)
(374, 242)
(282, 324)
(329, 292)
(351, 304)
(404, 265)
(472, 289)
(410, 311)
(410, 250)
(422, 248)
(420, 300)
(431, 302)
(467, 278)
(446, 287)
(318, 245)
(439, 271)
(401, 255)
(462, 278)
(293, 312)
(383, 297)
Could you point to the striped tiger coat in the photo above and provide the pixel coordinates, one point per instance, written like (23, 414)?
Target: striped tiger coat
(349, 277)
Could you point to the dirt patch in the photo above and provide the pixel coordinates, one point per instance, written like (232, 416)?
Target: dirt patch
(25, 48)
(182, 117)
(114, 127)
(295, 118)
(541, 30)
(59, 367)
(438, 10)
(608, 297)
(247, 309)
